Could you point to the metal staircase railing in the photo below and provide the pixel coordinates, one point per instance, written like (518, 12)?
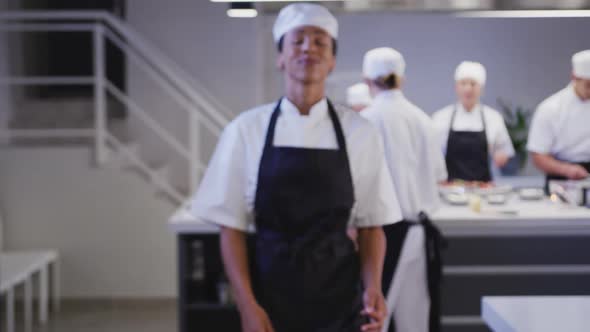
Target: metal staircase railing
(204, 112)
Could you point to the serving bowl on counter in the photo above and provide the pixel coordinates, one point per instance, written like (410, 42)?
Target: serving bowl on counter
(497, 199)
(458, 192)
(504, 189)
(531, 194)
(456, 198)
(474, 187)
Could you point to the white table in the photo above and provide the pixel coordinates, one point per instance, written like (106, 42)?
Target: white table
(515, 218)
(537, 313)
(19, 268)
(530, 218)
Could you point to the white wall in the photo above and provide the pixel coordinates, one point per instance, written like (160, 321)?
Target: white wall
(108, 226)
(218, 51)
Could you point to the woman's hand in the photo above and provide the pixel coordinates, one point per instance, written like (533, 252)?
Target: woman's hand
(375, 309)
(500, 159)
(255, 319)
(235, 261)
(372, 253)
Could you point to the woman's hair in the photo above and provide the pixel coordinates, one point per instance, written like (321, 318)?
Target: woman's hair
(386, 82)
(334, 45)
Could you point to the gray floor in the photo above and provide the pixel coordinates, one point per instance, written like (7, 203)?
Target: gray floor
(108, 316)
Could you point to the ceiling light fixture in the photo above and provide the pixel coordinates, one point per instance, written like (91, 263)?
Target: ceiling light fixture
(242, 10)
(524, 13)
(273, 0)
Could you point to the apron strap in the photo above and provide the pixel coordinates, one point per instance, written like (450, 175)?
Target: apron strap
(435, 242)
(483, 118)
(451, 125)
(485, 134)
(337, 127)
(270, 133)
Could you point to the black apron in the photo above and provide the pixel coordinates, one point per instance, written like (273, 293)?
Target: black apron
(549, 177)
(395, 235)
(467, 155)
(306, 271)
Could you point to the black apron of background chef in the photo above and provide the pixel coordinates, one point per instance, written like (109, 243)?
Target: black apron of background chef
(395, 235)
(307, 273)
(467, 155)
(549, 177)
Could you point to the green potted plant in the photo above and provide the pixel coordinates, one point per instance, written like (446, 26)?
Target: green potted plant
(517, 119)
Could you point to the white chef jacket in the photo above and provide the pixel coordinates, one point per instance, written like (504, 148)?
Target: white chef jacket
(561, 127)
(412, 151)
(227, 192)
(496, 132)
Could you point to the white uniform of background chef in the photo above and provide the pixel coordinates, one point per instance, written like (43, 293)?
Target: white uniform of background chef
(474, 136)
(416, 165)
(301, 171)
(358, 96)
(559, 138)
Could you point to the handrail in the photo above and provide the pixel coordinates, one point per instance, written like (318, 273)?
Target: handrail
(150, 122)
(175, 72)
(45, 15)
(47, 80)
(27, 27)
(143, 166)
(166, 67)
(201, 106)
(181, 99)
(214, 127)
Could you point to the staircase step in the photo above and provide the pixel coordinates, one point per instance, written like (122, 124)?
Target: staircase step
(160, 173)
(130, 148)
(184, 190)
(53, 113)
(61, 113)
(165, 196)
(58, 113)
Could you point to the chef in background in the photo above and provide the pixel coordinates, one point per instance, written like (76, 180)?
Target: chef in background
(412, 269)
(358, 96)
(559, 136)
(473, 135)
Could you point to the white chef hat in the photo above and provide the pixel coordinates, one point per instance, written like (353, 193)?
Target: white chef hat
(383, 61)
(473, 70)
(301, 14)
(358, 94)
(581, 64)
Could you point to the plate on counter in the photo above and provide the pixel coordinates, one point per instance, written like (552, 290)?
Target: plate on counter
(504, 189)
(531, 194)
(456, 198)
(475, 187)
(497, 199)
(451, 189)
